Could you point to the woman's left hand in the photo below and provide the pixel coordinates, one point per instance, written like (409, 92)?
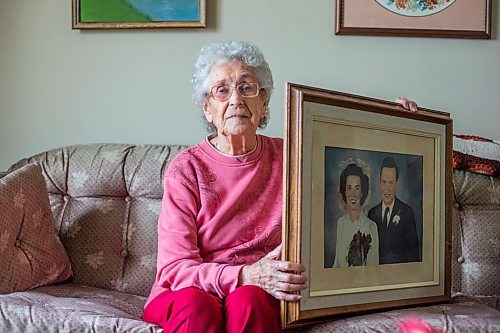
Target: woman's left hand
(408, 104)
(281, 279)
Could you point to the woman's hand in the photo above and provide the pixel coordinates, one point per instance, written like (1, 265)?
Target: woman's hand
(279, 278)
(408, 104)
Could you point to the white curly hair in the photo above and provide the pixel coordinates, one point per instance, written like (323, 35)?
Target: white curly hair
(212, 54)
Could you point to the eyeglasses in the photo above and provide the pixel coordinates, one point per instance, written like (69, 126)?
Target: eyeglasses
(224, 91)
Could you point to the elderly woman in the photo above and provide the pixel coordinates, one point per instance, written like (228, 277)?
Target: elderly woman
(357, 236)
(219, 231)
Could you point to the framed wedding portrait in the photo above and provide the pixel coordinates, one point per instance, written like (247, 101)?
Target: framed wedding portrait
(138, 14)
(367, 193)
(416, 18)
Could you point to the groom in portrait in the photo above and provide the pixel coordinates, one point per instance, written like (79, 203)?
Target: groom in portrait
(397, 231)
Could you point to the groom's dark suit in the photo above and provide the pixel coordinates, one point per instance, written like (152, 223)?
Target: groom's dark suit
(398, 242)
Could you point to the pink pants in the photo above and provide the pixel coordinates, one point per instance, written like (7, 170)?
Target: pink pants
(247, 309)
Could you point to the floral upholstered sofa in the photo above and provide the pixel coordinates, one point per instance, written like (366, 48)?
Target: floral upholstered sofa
(103, 202)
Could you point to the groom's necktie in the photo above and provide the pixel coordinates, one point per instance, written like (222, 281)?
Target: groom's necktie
(384, 221)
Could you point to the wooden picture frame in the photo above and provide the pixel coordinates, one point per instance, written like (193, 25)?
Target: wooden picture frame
(126, 14)
(452, 18)
(328, 130)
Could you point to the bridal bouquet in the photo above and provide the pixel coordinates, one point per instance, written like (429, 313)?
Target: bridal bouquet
(358, 249)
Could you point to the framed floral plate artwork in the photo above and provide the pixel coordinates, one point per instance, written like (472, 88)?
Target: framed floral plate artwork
(424, 18)
(367, 190)
(137, 14)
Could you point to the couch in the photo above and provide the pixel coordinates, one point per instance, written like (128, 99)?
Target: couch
(105, 200)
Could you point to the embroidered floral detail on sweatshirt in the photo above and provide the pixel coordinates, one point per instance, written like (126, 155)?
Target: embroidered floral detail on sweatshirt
(195, 174)
(255, 244)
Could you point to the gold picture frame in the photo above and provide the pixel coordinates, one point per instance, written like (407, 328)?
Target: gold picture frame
(122, 14)
(324, 130)
(451, 19)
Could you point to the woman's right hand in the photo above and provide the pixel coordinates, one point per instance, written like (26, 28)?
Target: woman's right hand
(407, 103)
(281, 279)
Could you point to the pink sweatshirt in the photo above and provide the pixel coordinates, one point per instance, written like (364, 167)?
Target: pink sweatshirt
(218, 213)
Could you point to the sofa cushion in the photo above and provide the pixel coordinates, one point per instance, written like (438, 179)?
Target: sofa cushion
(31, 254)
(457, 317)
(69, 308)
(106, 200)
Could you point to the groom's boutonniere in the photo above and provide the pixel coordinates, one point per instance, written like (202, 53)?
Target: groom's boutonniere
(396, 218)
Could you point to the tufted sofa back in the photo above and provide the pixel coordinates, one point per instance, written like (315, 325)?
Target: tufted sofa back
(476, 236)
(106, 200)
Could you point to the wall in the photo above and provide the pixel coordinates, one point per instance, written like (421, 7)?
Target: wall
(60, 86)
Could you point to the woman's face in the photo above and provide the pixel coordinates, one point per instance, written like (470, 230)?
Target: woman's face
(353, 193)
(237, 115)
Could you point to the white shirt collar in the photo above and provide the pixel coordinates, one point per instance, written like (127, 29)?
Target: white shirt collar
(391, 206)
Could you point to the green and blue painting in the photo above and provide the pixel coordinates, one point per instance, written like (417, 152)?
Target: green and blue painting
(92, 11)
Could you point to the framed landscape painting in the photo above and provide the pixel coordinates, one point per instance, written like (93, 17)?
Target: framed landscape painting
(367, 197)
(136, 14)
(417, 18)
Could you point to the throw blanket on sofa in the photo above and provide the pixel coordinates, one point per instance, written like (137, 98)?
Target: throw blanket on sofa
(476, 154)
